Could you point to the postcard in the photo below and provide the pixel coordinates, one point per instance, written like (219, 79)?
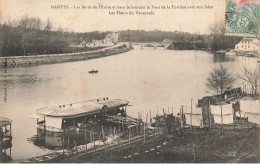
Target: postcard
(129, 81)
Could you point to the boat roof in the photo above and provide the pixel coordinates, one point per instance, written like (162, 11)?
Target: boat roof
(81, 108)
(5, 121)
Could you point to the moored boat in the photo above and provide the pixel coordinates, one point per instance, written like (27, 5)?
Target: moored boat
(70, 116)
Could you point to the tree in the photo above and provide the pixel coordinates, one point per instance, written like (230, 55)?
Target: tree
(251, 77)
(218, 81)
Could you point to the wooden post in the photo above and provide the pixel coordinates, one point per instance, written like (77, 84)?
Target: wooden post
(104, 140)
(128, 137)
(154, 132)
(174, 124)
(144, 133)
(181, 116)
(146, 118)
(118, 144)
(247, 124)
(234, 114)
(191, 115)
(90, 137)
(103, 132)
(85, 137)
(10, 129)
(209, 116)
(114, 131)
(110, 129)
(68, 142)
(150, 117)
(93, 137)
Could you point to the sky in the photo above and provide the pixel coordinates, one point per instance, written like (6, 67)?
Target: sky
(85, 20)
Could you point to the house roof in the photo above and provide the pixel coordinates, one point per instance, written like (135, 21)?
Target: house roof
(248, 39)
(167, 41)
(256, 43)
(5, 121)
(81, 108)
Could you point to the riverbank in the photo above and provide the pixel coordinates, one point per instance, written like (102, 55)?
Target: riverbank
(20, 61)
(201, 146)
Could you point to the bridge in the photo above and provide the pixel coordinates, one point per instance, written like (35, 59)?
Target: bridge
(165, 44)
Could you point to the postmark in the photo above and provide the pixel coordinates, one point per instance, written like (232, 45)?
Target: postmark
(242, 17)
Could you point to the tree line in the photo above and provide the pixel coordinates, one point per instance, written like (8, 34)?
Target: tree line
(33, 36)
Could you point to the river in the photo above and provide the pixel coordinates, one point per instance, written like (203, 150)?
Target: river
(148, 78)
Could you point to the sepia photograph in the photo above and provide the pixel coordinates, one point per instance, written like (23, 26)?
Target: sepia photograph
(129, 81)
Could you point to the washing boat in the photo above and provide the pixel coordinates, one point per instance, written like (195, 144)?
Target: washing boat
(71, 116)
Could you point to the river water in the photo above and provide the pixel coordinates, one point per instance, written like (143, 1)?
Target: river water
(149, 79)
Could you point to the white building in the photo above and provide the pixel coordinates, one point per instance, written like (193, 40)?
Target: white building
(115, 37)
(248, 45)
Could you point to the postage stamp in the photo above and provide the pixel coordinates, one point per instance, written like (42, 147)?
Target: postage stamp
(242, 17)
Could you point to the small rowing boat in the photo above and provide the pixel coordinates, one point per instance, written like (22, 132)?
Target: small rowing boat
(93, 71)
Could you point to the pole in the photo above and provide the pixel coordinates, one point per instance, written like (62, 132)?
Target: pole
(191, 114)
(209, 116)
(221, 117)
(85, 137)
(150, 117)
(144, 133)
(128, 137)
(247, 124)
(234, 114)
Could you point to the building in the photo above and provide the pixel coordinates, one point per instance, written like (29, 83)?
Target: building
(97, 42)
(111, 38)
(115, 37)
(248, 45)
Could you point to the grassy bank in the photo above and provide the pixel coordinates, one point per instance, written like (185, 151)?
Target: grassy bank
(201, 146)
(18, 61)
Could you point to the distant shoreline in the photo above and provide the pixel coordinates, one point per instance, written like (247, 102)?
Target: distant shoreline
(22, 61)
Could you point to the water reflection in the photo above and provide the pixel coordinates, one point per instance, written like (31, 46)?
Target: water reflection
(69, 139)
(223, 58)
